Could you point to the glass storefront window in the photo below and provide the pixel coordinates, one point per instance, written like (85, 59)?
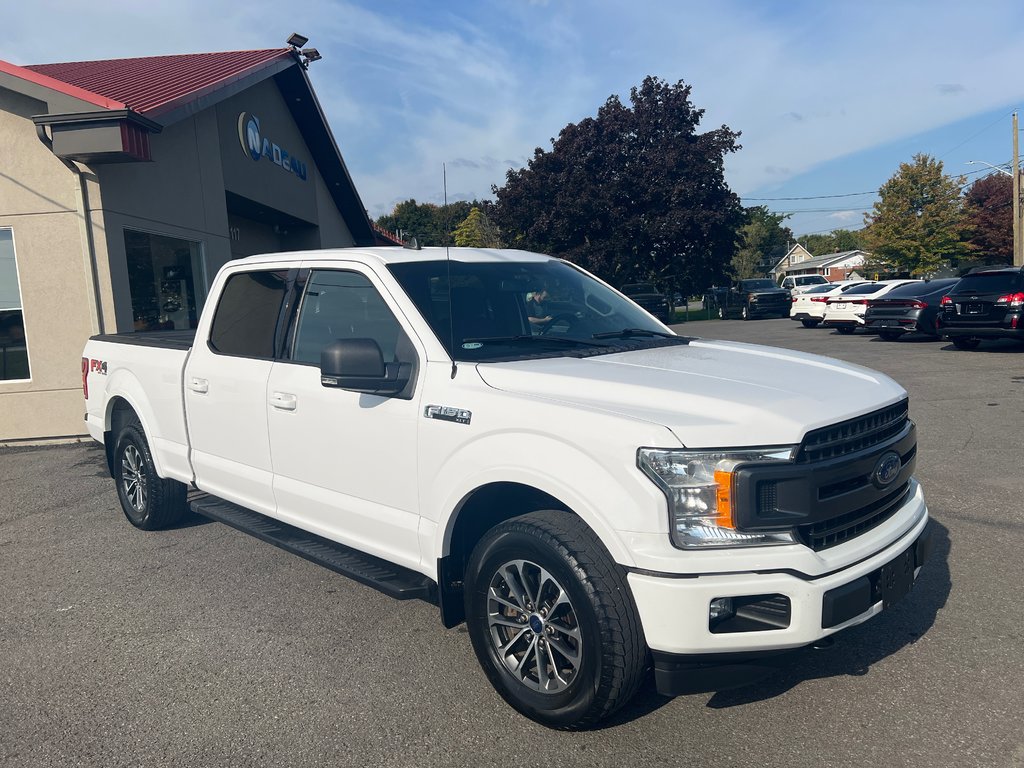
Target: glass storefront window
(165, 277)
(13, 346)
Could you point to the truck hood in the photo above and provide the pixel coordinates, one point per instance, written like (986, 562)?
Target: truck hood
(709, 393)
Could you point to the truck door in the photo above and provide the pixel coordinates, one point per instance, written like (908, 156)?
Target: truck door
(226, 389)
(345, 462)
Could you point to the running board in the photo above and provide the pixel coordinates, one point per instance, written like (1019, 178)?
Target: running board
(391, 579)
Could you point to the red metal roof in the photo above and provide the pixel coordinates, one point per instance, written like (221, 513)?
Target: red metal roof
(154, 82)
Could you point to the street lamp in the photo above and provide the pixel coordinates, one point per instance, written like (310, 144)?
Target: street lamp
(993, 167)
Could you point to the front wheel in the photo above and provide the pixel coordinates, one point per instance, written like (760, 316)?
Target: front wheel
(552, 620)
(147, 500)
(745, 313)
(721, 313)
(965, 342)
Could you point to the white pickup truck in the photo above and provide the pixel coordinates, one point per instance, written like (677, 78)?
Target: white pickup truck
(504, 434)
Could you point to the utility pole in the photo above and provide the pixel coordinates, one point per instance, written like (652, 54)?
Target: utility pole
(1018, 240)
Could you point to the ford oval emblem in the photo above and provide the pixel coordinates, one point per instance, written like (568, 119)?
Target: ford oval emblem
(887, 469)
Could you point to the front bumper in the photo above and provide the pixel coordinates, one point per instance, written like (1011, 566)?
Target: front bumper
(690, 656)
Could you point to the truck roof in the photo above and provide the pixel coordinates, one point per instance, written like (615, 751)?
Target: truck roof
(396, 255)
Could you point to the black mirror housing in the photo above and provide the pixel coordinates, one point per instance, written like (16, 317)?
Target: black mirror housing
(358, 366)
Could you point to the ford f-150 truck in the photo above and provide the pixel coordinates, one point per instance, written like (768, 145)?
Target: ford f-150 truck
(594, 495)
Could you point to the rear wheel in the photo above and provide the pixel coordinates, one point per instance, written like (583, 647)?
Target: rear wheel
(810, 323)
(147, 500)
(846, 330)
(965, 342)
(552, 620)
(889, 335)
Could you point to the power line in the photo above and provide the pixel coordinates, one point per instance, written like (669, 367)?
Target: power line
(811, 197)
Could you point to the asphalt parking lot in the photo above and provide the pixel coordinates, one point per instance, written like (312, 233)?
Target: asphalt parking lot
(201, 646)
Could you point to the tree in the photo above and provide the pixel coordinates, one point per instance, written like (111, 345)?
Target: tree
(764, 242)
(427, 222)
(916, 225)
(837, 241)
(477, 231)
(633, 194)
(988, 219)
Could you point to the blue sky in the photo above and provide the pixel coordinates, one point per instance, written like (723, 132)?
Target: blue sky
(829, 96)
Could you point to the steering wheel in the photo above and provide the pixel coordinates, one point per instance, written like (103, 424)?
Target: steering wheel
(569, 318)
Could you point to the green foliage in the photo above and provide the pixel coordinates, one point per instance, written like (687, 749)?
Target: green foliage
(427, 222)
(988, 219)
(477, 231)
(764, 242)
(633, 194)
(837, 241)
(916, 225)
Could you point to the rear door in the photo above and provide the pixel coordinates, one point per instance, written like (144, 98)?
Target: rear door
(226, 388)
(345, 462)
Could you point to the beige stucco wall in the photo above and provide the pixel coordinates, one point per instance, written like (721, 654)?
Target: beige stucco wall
(39, 201)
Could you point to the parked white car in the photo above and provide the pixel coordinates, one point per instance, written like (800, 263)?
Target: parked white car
(800, 283)
(845, 312)
(809, 307)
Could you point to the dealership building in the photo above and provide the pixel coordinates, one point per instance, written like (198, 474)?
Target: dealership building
(126, 184)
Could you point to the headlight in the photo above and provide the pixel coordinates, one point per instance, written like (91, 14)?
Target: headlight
(699, 489)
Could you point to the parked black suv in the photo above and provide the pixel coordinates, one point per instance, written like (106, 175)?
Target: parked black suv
(651, 299)
(748, 299)
(908, 309)
(986, 304)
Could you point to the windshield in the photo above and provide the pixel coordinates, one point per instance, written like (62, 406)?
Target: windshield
(757, 285)
(811, 280)
(990, 282)
(519, 310)
(865, 288)
(823, 288)
(634, 289)
(920, 289)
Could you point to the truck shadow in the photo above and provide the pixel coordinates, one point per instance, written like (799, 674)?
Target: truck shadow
(853, 652)
(857, 648)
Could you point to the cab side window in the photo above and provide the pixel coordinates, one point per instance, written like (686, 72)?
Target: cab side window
(345, 305)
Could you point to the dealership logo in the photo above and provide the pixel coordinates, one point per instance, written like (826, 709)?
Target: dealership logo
(257, 146)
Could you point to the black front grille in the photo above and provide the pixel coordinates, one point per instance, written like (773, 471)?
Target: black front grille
(828, 533)
(854, 435)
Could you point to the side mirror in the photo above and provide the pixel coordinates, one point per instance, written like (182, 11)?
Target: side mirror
(358, 366)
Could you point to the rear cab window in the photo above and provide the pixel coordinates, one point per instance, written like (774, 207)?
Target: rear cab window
(249, 314)
(991, 282)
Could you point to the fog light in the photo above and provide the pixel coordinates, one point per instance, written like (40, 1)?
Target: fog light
(721, 608)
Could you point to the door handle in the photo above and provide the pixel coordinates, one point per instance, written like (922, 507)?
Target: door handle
(202, 386)
(283, 401)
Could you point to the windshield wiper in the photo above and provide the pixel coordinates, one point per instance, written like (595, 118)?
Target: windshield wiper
(525, 337)
(626, 333)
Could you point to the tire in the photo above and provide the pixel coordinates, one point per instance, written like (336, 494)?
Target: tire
(965, 342)
(148, 501)
(745, 313)
(551, 560)
(846, 330)
(810, 323)
(889, 336)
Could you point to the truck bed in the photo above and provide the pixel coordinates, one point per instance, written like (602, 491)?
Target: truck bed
(181, 340)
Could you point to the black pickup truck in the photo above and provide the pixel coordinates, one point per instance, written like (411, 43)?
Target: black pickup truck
(651, 299)
(752, 298)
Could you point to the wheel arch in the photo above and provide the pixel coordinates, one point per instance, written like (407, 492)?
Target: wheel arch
(477, 512)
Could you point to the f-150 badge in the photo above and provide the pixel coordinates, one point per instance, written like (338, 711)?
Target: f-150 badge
(447, 413)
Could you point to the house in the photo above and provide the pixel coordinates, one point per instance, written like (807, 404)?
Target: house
(834, 266)
(125, 184)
